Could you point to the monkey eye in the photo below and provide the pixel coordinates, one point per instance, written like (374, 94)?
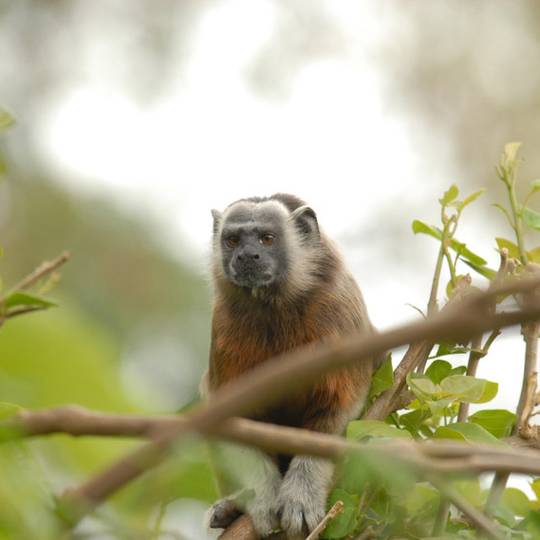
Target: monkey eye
(267, 239)
(231, 241)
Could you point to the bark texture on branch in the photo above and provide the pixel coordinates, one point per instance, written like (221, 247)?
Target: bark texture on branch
(274, 380)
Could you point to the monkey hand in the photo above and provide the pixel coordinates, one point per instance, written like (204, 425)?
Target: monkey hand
(302, 496)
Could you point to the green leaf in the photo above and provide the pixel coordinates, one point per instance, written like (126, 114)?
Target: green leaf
(482, 270)
(8, 410)
(463, 431)
(419, 227)
(465, 253)
(498, 422)
(532, 523)
(534, 255)
(422, 386)
(413, 420)
(20, 298)
(535, 486)
(459, 370)
(423, 499)
(347, 520)
(531, 218)
(6, 120)
(516, 501)
(438, 370)
(450, 348)
(513, 249)
(449, 195)
(383, 378)
(511, 150)
(471, 198)
(471, 491)
(439, 407)
(469, 389)
(360, 429)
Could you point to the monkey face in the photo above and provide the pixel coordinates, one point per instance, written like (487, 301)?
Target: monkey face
(262, 244)
(252, 256)
(252, 247)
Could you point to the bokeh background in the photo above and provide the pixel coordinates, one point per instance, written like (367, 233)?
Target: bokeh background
(135, 118)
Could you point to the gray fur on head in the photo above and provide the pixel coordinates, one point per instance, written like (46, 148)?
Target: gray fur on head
(290, 263)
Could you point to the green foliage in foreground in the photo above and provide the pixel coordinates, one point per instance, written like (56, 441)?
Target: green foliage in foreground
(389, 501)
(60, 356)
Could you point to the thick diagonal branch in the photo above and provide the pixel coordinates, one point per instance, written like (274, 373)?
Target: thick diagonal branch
(291, 373)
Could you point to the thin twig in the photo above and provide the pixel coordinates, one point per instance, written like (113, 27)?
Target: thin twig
(332, 513)
(242, 529)
(530, 333)
(385, 403)
(41, 271)
(432, 302)
(22, 311)
(477, 518)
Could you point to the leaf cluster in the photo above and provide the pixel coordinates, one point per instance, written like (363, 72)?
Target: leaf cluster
(378, 495)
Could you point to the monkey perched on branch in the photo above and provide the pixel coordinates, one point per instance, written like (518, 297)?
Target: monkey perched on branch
(279, 283)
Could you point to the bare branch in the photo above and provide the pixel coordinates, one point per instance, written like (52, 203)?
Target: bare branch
(432, 456)
(22, 311)
(387, 402)
(273, 380)
(242, 529)
(332, 513)
(530, 333)
(41, 271)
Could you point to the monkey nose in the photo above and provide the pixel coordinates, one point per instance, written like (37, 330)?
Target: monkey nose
(247, 256)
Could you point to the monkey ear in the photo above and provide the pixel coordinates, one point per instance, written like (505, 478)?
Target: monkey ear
(217, 215)
(306, 221)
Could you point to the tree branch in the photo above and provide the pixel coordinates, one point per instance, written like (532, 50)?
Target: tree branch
(425, 458)
(389, 400)
(432, 456)
(41, 271)
(293, 372)
(332, 513)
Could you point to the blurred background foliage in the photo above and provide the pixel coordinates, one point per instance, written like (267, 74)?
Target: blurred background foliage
(132, 331)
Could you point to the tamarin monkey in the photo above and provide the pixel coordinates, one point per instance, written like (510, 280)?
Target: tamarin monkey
(280, 283)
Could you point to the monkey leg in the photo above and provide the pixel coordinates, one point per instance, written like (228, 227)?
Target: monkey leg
(262, 479)
(307, 482)
(303, 493)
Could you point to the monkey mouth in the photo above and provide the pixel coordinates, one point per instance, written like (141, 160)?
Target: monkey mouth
(252, 280)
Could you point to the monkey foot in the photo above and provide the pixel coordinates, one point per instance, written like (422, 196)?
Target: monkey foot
(222, 514)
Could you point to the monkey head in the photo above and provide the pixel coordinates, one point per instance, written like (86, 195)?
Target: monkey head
(265, 243)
